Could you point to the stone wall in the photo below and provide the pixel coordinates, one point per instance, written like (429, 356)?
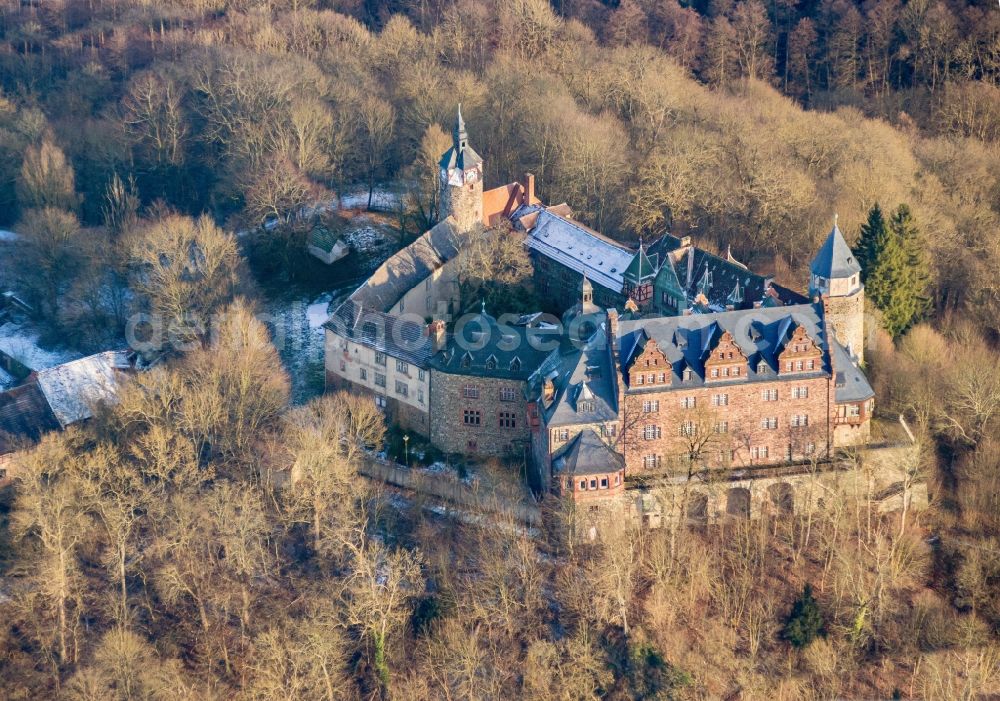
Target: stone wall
(464, 203)
(451, 433)
(846, 316)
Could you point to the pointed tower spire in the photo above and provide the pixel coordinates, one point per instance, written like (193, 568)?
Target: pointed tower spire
(461, 137)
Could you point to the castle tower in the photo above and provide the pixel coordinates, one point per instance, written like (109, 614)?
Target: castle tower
(836, 279)
(637, 279)
(462, 180)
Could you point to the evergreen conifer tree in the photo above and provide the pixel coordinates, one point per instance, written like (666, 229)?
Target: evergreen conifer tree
(805, 622)
(893, 267)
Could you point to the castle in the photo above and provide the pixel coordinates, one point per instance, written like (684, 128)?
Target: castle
(667, 359)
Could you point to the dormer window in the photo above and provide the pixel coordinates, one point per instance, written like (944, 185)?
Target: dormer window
(687, 374)
(515, 365)
(762, 368)
(466, 361)
(491, 363)
(586, 406)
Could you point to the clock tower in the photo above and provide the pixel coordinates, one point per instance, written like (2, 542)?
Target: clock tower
(462, 180)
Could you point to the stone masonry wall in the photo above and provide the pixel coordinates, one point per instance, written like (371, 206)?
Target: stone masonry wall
(846, 316)
(450, 433)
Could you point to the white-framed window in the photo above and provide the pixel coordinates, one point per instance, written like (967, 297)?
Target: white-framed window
(421, 375)
(651, 432)
(715, 372)
(688, 428)
(759, 452)
(402, 389)
(609, 430)
(650, 405)
(769, 422)
(762, 367)
(688, 403)
(420, 396)
(800, 420)
(470, 392)
(722, 427)
(507, 394)
(769, 395)
(800, 392)
(379, 379)
(402, 366)
(687, 374)
(560, 435)
(812, 364)
(640, 379)
(364, 374)
(650, 462)
(853, 410)
(662, 378)
(380, 358)
(720, 400)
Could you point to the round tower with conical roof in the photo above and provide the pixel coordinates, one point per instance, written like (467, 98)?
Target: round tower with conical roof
(462, 180)
(835, 278)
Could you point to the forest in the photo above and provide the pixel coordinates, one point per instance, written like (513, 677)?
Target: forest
(150, 554)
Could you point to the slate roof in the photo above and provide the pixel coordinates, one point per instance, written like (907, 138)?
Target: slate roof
(759, 333)
(460, 155)
(641, 267)
(580, 374)
(25, 417)
(835, 258)
(850, 384)
(483, 347)
(73, 389)
(407, 267)
(577, 247)
(398, 337)
(723, 281)
(587, 454)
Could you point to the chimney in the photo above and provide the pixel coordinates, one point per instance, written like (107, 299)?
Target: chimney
(436, 332)
(612, 328)
(529, 188)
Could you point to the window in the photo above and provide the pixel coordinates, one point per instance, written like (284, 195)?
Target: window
(812, 364)
(720, 400)
(506, 394)
(652, 378)
(725, 372)
(722, 427)
(641, 379)
(650, 406)
(585, 406)
(507, 419)
(593, 484)
(379, 358)
(762, 368)
(810, 448)
(758, 452)
(402, 366)
(491, 363)
(470, 392)
(651, 432)
(515, 365)
(854, 410)
(560, 434)
(661, 378)
(798, 366)
(651, 461)
(769, 422)
(420, 396)
(583, 484)
(364, 374)
(618, 480)
(687, 374)
(604, 483)
(402, 389)
(3, 473)
(800, 392)
(343, 366)
(800, 420)
(769, 395)
(687, 403)
(715, 372)
(421, 375)
(688, 429)
(472, 417)
(380, 401)
(379, 379)
(736, 372)
(609, 430)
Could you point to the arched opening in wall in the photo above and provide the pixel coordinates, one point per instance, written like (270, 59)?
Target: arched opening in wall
(697, 509)
(738, 502)
(782, 499)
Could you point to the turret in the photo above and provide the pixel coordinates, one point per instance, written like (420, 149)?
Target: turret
(835, 278)
(462, 180)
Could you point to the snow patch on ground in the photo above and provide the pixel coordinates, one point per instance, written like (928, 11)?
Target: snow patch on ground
(7, 235)
(373, 243)
(381, 199)
(318, 312)
(22, 345)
